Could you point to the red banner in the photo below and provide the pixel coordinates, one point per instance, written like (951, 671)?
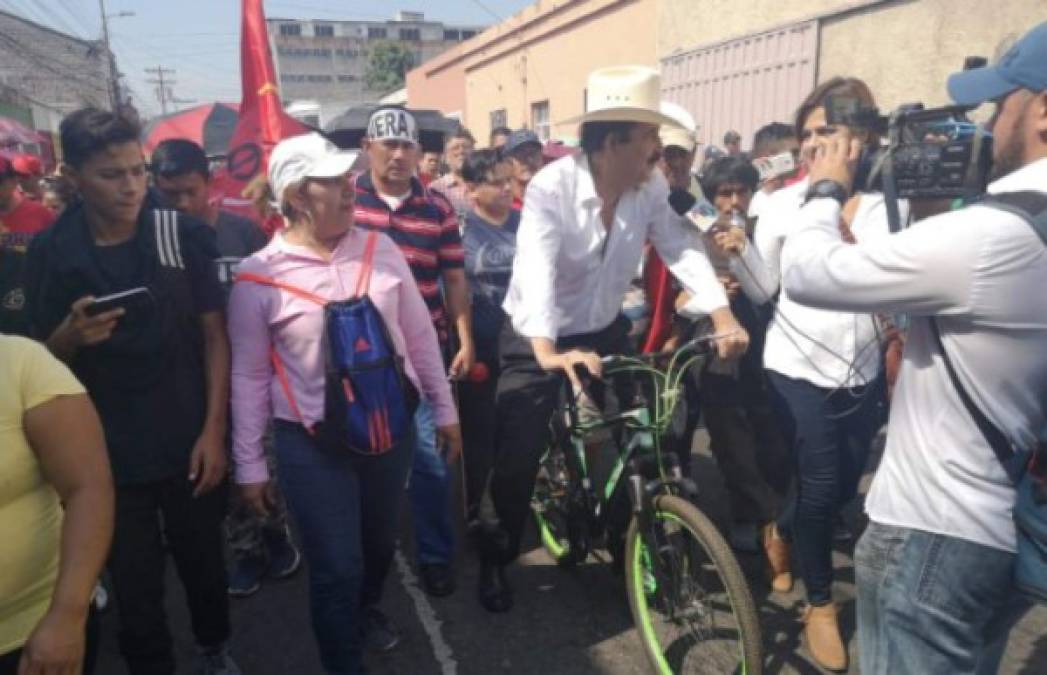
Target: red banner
(263, 122)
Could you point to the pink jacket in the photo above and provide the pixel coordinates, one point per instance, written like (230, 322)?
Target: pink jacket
(262, 316)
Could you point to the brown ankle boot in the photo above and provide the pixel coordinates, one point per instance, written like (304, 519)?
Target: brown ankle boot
(777, 553)
(822, 635)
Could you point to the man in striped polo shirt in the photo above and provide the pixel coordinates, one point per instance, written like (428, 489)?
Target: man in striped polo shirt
(424, 225)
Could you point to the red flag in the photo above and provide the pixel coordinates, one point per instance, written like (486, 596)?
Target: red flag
(658, 285)
(263, 122)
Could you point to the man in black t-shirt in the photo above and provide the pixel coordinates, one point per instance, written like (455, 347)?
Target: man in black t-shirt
(158, 373)
(183, 178)
(258, 545)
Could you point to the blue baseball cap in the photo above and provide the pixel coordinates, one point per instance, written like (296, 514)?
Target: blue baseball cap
(1024, 66)
(519, 138)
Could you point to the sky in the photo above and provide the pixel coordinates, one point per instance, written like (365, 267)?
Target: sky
(200, 39)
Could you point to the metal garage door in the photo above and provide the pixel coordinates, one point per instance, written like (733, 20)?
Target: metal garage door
(745, 83)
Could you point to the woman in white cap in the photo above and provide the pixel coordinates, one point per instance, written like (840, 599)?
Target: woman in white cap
(346, 505)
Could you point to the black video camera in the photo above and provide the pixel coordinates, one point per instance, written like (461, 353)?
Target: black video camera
(934, 153)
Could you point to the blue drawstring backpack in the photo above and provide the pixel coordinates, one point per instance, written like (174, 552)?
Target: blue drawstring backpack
(369, 402)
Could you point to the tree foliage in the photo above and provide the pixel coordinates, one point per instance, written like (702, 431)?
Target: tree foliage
(387, 66)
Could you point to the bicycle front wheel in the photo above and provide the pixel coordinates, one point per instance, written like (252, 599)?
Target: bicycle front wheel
(689, 599)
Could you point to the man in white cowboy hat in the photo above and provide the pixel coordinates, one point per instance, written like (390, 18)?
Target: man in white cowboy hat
(585, 221)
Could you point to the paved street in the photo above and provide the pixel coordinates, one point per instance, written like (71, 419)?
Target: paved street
(564, 622)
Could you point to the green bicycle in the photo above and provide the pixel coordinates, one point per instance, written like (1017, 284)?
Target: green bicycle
(689, 599)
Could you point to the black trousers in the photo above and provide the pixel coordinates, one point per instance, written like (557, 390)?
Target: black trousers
(525, 400)
(749, 448)
(476, 408)
(147, 516)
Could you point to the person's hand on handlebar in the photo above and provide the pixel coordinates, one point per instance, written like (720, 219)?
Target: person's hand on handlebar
(734, 340)
(549, 359)
(569, 361)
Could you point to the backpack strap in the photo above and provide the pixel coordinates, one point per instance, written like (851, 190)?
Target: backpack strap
(293, 290)
(278, 364)
(1029, 205)
(285, 384)
(363, 282)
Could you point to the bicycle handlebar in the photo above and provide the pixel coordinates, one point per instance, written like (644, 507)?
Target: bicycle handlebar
(698, 344)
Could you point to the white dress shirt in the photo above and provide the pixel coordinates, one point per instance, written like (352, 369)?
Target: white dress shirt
(983, 273)
(759, 203)
(829, 349)
(571, 273)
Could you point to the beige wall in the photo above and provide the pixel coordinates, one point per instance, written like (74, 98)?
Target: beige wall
(555, 65)
(685, 24)
(905, 51)
(438, 88)
(542, 53)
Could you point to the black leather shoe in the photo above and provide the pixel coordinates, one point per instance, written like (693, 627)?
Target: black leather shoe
(494, 592)
(437, 579)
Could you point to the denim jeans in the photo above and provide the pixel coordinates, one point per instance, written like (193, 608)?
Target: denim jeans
(430, 492)
(347, 509)
(830, 432)
(928, 603)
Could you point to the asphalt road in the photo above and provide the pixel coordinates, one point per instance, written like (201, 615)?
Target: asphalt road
(572, 622)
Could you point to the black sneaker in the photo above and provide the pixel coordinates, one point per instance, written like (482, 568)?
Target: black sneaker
(380, 635)
(245, 577)
(493, 590)
(437, 579)
(284, 558)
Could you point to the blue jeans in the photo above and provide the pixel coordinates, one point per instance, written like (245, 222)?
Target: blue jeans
(830, 432)
(928, 603)
(430, 492)
(347, 509)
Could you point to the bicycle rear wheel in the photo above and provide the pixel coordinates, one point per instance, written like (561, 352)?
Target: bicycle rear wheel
(689, 599)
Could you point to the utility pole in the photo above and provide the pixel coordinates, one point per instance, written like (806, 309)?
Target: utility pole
(114, 93)
(163, 85)
(114, 84)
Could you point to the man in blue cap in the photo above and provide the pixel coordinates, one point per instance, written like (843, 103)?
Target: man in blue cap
(935, 568)
(524, 152)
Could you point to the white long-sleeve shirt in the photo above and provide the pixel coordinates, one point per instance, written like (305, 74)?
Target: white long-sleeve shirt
(829, 349)
(571, 273)
(983, 273)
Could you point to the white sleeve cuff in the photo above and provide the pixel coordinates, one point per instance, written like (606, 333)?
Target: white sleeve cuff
(703, 304)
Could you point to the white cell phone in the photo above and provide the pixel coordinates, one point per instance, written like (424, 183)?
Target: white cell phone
(131, 299)
(775, 166)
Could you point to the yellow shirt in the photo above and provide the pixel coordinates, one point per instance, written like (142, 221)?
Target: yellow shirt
(30, 515)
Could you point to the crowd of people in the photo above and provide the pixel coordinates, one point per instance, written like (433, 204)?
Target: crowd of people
(177, 377)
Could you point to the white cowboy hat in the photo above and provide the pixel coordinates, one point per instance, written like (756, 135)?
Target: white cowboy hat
(683, 133)
(624, 94)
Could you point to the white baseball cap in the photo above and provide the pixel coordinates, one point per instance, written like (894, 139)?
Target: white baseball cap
(307, 156)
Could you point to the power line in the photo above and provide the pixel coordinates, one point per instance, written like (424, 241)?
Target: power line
(78, 18)
(27, 55)
(164, 93)
(487, 9)
(328, 10)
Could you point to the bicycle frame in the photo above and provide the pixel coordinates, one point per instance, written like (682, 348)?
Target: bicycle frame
(643, 426)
